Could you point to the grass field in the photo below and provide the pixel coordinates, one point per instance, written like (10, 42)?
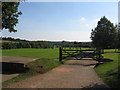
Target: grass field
(38, 53)
(109, 71)
(111, 50)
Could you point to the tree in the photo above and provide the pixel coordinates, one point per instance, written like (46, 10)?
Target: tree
(10, 15)
(104, 34)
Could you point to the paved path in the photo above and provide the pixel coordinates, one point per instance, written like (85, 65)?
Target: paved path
(72, 74)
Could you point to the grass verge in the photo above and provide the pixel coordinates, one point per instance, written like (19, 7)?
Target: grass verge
(109, 70)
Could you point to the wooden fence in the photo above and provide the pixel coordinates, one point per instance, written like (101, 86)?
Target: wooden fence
(77, 53)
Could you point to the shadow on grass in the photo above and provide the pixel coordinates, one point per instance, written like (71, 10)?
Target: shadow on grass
(106, 60)
(113, 78)
(96, 87)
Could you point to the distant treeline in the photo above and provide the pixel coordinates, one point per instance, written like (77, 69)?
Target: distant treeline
(12, 39)
(27, 44)
(74, 44)
(19, 43)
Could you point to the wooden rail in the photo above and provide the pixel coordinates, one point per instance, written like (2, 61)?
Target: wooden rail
(65, 52)
(76, 50)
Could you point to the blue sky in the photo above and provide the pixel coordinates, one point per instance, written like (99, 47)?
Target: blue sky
(57, 21)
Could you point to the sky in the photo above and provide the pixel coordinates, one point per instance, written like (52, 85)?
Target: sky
(119, 12)
(58, 21)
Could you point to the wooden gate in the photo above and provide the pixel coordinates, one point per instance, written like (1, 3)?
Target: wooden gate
(77, 53)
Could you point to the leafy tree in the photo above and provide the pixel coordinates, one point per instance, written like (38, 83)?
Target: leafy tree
(104, 34)
(10, 15)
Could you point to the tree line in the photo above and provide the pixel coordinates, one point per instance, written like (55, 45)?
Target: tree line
(18, 43)
(74, 44)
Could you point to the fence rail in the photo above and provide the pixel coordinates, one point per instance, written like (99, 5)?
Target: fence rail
(65, 52)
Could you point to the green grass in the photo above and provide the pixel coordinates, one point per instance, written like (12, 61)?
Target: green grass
(111, 50)
(38, 53)
(109, 71)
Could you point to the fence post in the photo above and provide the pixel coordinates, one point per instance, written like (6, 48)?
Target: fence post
(99, 55)
(60, 54)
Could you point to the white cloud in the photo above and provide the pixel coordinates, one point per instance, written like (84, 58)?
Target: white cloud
(83, 19)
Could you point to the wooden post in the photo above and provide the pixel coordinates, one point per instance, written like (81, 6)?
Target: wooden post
(99, 55)
(60, 54)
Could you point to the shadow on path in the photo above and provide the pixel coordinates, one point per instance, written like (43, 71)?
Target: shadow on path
(12, 68)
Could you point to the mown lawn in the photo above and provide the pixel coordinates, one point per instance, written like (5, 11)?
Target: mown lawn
(109, 71)
(38, 53)
(111, 50)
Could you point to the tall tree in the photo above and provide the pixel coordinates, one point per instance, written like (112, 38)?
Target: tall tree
(104, 34)
(10, 15)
